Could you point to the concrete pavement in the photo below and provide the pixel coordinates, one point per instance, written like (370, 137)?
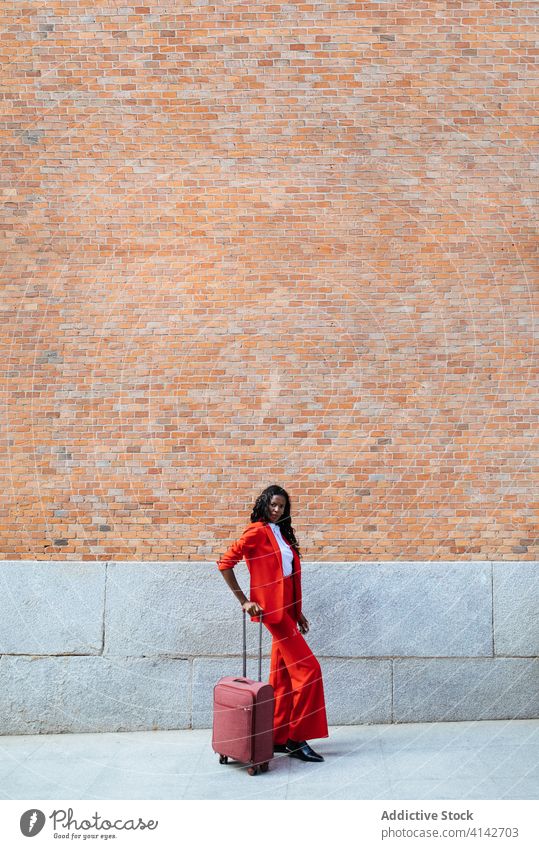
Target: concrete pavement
(445, 760)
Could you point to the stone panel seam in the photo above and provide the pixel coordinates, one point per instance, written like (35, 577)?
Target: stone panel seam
(191, 658)
(392, 691)
(191, 679)
(492, 609)
(194, 657)
(370, 657)
(103, 622)
(517, 656)
(52, 654)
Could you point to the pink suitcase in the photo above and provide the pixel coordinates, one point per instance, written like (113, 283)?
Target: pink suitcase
(243, 716)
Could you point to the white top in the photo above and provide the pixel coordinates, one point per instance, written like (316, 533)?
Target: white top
(286, 551)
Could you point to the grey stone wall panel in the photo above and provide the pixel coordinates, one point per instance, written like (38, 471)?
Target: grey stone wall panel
(355, 610)
(172, 609)
(399, 609)
(357, 691)
(516, 609)
(51, 607)
(88, 694)
(462, 689)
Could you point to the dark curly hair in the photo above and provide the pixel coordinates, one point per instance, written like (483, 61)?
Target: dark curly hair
(260, 513)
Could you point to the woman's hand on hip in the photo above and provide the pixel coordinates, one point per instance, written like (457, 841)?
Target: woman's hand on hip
(252, 608)
(303, 624)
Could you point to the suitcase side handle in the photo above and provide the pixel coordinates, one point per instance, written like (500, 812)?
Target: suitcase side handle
(245, 646)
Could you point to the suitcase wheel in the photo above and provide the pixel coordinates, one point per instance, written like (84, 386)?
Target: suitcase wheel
(223, 759)
(256, 768)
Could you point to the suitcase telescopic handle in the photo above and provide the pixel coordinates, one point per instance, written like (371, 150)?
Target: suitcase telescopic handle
(245, 647)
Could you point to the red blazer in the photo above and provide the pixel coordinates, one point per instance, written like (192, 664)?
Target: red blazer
(260, 550)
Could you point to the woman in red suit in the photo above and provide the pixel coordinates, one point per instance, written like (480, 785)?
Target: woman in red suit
(270, 549)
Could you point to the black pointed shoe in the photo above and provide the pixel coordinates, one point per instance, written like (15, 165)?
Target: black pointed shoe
(280, 747)
(302, 751)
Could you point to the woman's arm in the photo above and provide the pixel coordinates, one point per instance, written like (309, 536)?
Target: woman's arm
(250, 607)
(230, 578)
(226, 566)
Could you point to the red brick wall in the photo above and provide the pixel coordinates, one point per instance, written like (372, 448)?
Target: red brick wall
(264, 242)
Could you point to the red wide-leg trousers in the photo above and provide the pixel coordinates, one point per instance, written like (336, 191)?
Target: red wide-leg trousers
(296, 678)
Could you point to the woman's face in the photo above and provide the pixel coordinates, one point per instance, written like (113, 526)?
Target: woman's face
(276, 508)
